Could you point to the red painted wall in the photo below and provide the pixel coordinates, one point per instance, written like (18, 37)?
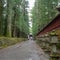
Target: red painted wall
(53, 25)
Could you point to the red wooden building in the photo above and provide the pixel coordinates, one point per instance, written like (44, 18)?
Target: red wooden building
(51, 26)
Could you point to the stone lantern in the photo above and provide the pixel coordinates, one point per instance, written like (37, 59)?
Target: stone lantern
(47, 39)
(40, 41)
(54, 39)
(43, 42)
(53, 43)
(47, 43)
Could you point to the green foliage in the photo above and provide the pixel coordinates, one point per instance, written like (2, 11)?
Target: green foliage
(14, 18)
(43, 13)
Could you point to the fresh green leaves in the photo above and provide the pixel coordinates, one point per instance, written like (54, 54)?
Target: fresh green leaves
(43, 13)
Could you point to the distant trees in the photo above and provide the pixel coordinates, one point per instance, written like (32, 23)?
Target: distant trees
(14, 18)
(1, 16)
(43, 13)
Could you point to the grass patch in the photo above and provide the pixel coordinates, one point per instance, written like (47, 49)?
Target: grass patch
(6, 41)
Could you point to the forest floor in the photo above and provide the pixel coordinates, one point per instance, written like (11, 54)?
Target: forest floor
(27, 50)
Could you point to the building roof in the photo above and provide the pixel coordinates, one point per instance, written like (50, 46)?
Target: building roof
(55, 23)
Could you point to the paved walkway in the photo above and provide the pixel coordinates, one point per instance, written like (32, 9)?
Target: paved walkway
(24, 51)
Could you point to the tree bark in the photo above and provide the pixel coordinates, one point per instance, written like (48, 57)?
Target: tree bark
(9, 19)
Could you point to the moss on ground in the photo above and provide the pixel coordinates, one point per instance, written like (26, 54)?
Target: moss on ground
(6, 41)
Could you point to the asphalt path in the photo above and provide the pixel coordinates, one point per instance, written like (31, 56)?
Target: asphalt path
(27, 50)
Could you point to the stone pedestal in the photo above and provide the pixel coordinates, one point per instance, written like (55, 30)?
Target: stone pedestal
(47, 44)
(43, 46)
(54, 51)
(39, 40)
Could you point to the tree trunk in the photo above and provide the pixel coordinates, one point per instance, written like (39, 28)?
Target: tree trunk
(1, 19)
(9, 19)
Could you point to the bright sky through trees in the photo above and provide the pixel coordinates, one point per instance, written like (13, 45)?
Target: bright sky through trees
(31, 5)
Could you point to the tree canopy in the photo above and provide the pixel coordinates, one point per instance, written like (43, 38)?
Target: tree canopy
(14, 18)
(43, 13)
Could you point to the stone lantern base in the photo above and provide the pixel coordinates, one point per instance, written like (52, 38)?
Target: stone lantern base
(55, 56)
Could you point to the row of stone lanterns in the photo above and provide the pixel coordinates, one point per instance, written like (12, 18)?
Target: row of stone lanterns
(44, 43)
(48, 43)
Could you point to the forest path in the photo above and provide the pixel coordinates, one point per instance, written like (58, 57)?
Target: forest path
(27, 50)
